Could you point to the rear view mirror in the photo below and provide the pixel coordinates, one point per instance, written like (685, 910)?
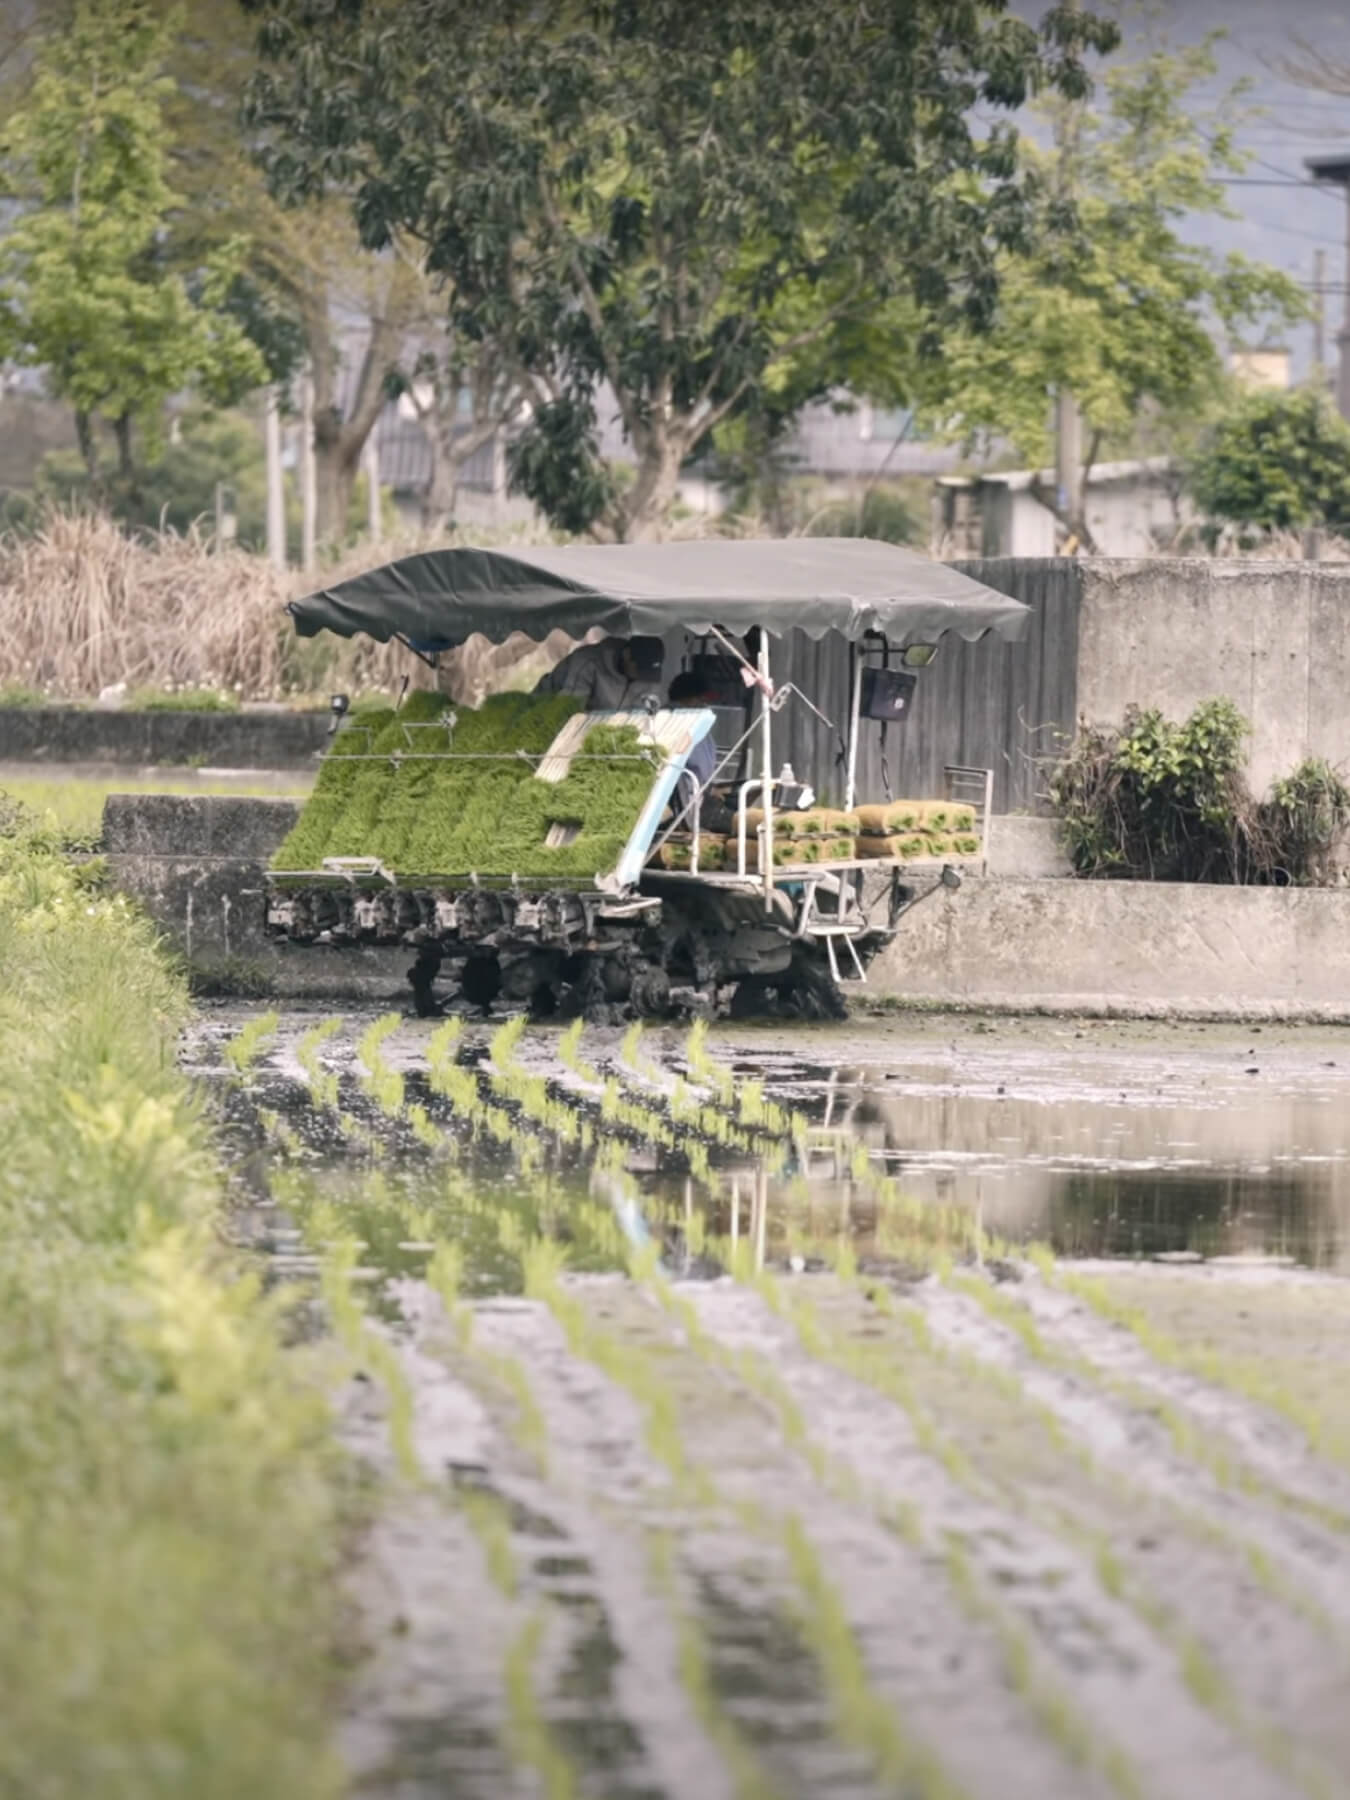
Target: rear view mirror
(917, 656)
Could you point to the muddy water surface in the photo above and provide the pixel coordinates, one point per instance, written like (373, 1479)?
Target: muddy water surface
(1101, 1139)
(738, 1433)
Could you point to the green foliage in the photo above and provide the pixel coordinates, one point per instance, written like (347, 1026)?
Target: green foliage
(614, 197)
(166, 1476)
(569, 1053)
(1306, 814)
(1277, 461)
(197, 700)
(882, 513)
(323, 1084)
(1163, 802)
(84, 291)
(174, 485)
(1155, 800)
(251, 1042)
(481, 811)
(1113, 297)
(383, 1083)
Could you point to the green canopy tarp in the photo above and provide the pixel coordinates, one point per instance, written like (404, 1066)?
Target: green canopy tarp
(440, 598)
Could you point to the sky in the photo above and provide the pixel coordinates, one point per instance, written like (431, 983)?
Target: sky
(1280, 224)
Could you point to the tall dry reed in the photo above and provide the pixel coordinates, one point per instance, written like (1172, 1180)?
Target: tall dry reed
(84, 606)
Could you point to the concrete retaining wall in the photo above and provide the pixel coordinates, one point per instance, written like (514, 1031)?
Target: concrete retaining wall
(1012, 942)
(1110, 633)
(197, 865)
(1273, 637)
(246, 740)
(1157, 949)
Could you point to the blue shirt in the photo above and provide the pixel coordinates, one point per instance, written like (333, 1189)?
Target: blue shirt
(702, 760)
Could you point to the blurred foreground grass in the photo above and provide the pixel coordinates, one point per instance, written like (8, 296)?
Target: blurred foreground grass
(168, 1487)
(73, 807)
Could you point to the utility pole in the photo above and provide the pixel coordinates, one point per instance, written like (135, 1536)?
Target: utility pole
(276, 493)
(308, 483)
(1336, 170)
(1068, 419)
(1068, 458)
(373, 487)
(1319, 319)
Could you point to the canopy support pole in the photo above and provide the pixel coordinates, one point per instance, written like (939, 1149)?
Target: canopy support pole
(855, 709)
(766, 753)
(430, 657)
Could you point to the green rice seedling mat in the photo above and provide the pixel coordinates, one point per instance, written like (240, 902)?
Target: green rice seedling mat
(819, 822)
(897, 817)
(915, 846)
(382, 793)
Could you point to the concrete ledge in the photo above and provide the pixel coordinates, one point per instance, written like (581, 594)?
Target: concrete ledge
(1002, 943)
(246, 740)
(1025, 848)
(1124, 948)
(197, 865)
(196, 825)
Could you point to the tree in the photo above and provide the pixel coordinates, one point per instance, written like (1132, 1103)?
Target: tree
(652, 206)
(1279, 461)
(307, 293)
(84, 288)
(1112, 300)
(463, 395)
(176, 487)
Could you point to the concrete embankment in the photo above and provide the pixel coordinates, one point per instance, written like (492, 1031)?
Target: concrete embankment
(197, 862)
(1152, 949)
(1019, 939)
(243, 740)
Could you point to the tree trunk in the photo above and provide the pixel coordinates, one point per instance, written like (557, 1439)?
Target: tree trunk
(641, 512)
(84, 437)
(442, 495)
(450, 450)
(126, 460)
(335, 472)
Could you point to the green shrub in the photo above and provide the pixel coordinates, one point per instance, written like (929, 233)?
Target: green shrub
(1157, 801)
(168, 1544)
(196, 700)
(18, 695)
(1305, 815)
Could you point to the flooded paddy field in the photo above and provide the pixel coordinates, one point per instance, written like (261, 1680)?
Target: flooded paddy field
(920, 1407)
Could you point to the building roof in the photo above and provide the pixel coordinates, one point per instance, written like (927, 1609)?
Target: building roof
(1100, 475)
(1335, 167)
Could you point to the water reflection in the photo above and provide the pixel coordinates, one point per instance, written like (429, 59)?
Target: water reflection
(911, 1155)
(1125, 1156)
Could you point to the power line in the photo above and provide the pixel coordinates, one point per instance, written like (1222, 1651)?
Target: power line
(1269, 181)
(1317, 237)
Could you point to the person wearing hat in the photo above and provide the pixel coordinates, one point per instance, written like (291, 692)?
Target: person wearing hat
(615, 675)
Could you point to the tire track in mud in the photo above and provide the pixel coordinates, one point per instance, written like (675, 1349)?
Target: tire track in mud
(1042, 1585)
(1272, 1446)
(1042, 1563)
(1258, 1593)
